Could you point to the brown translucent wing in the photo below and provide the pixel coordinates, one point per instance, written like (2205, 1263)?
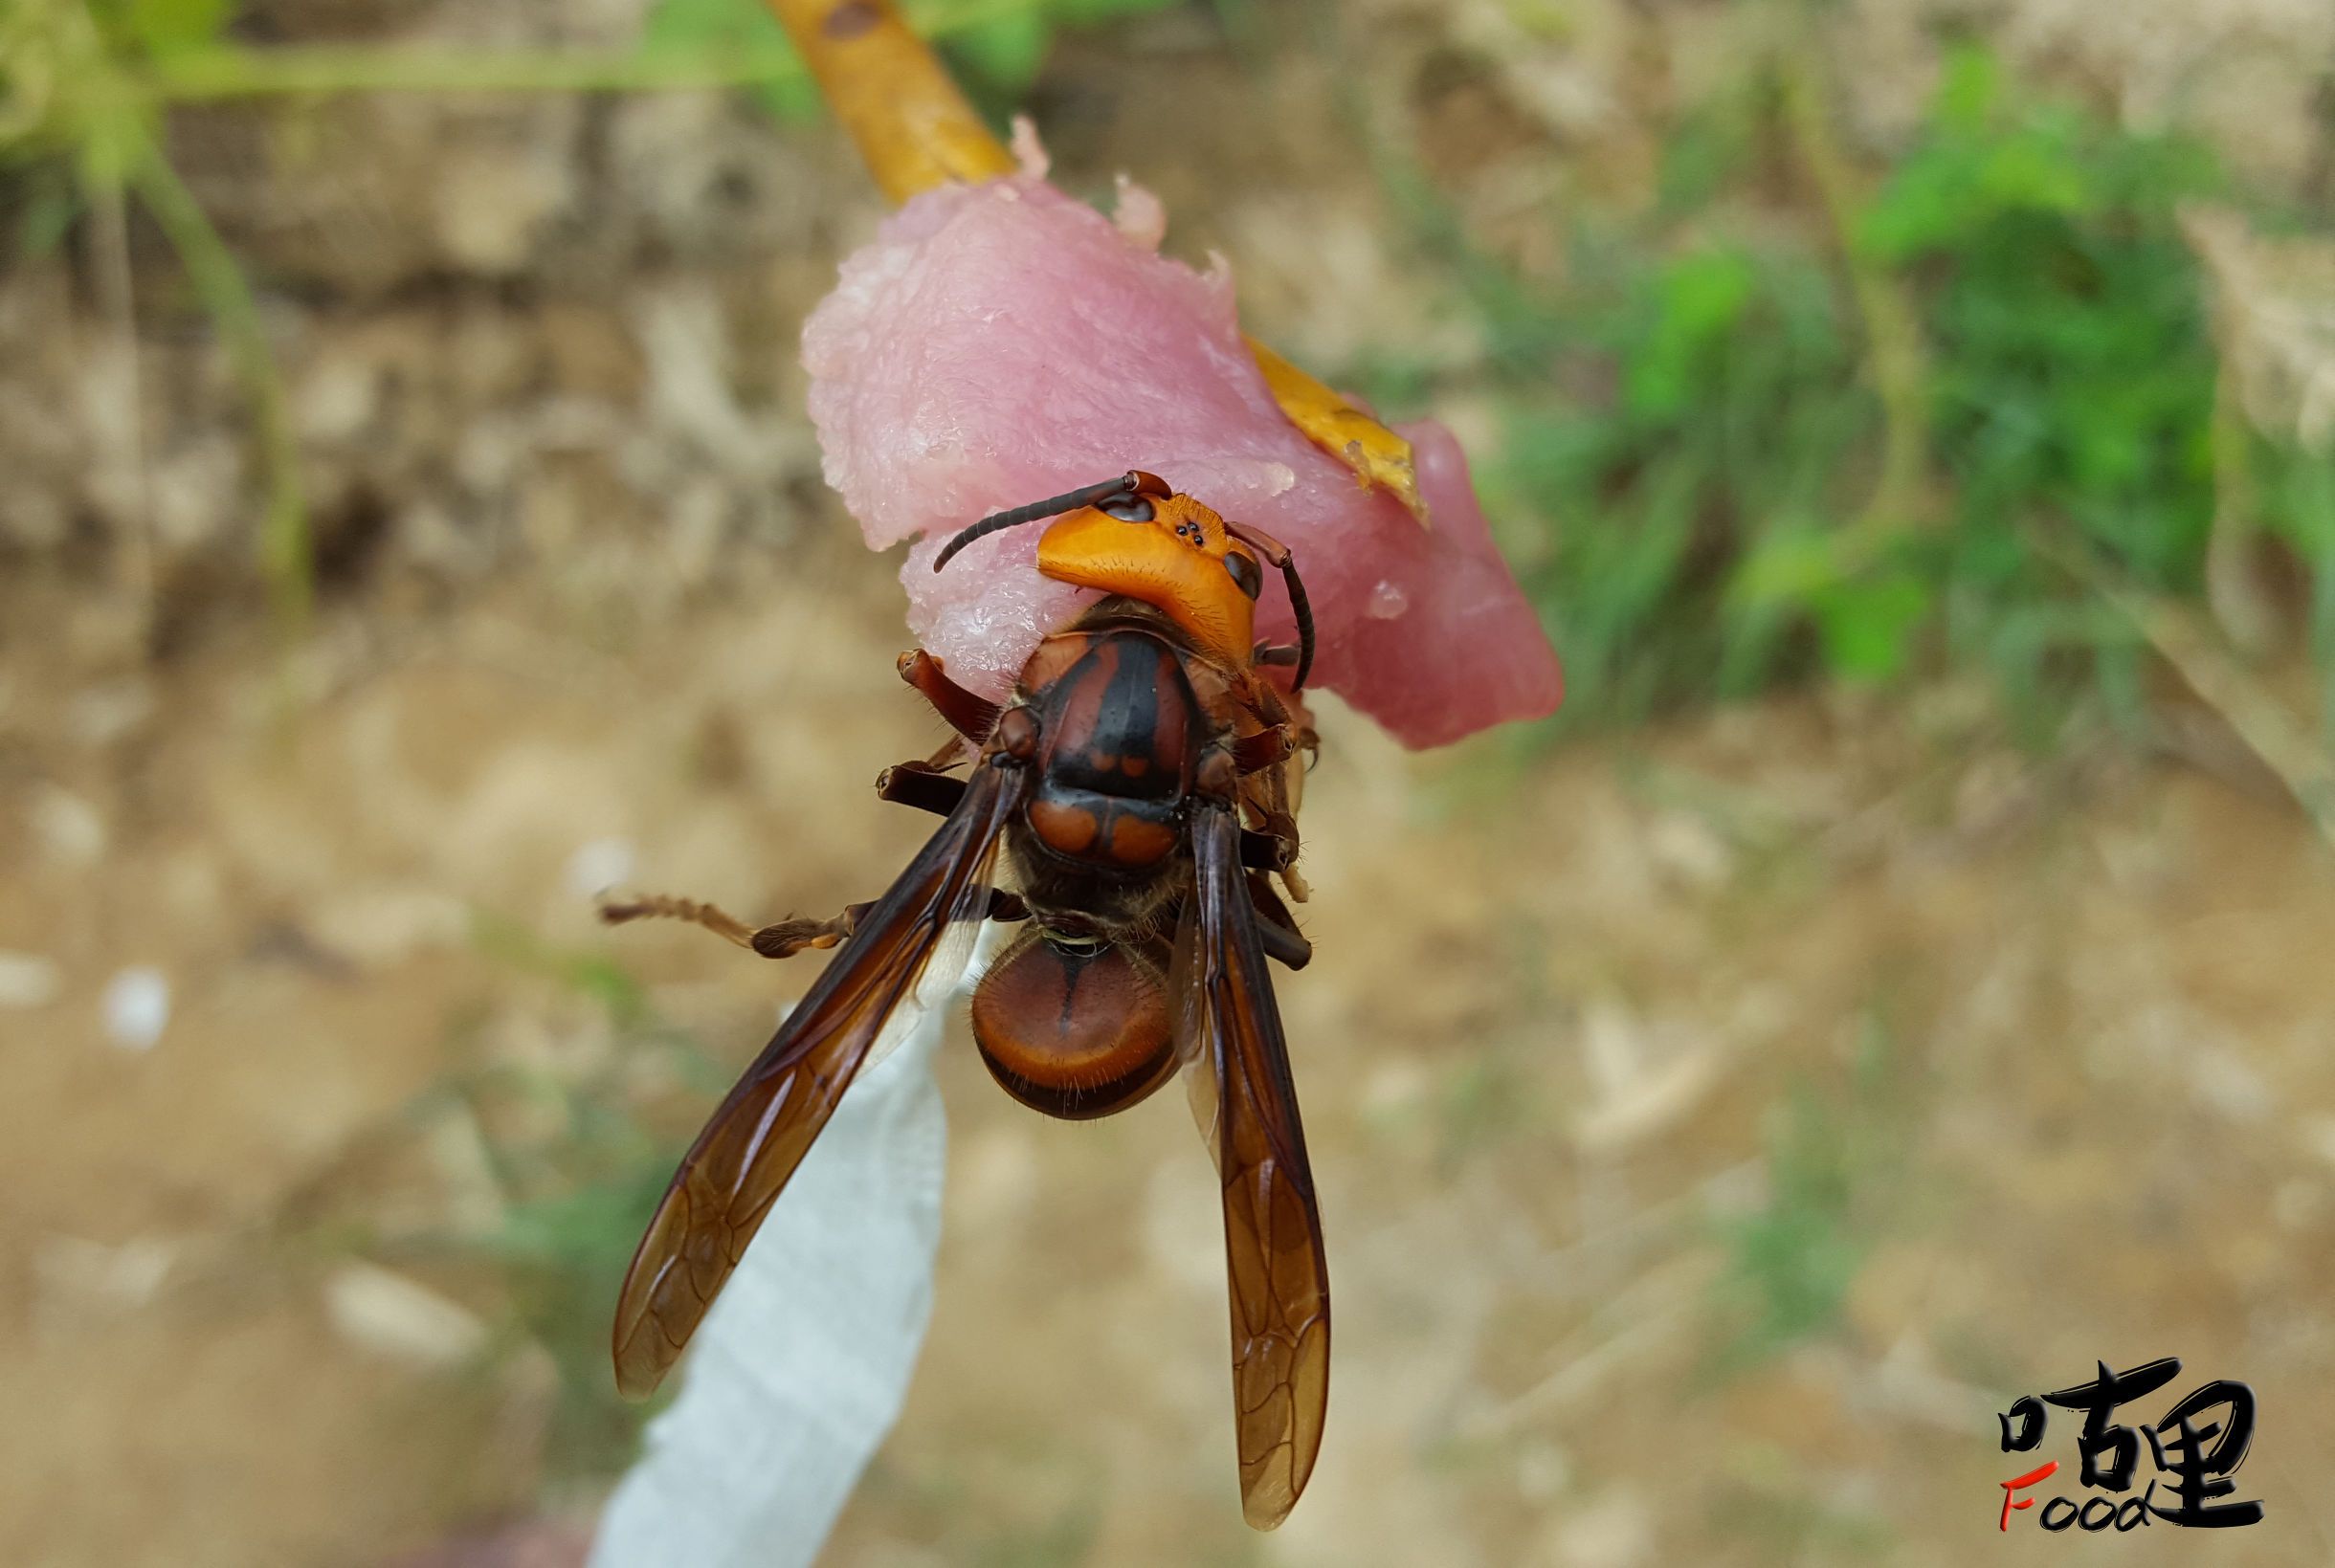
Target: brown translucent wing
(760, 1133)
(1231, 1030)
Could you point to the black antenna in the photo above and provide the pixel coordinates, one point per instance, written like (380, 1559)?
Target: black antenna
(1277, 554)
(1304, 612)
(1132, 482)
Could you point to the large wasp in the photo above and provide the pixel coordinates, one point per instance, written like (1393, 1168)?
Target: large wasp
(1140, 779)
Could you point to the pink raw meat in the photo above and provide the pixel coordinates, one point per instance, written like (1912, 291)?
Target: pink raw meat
(1002, 342)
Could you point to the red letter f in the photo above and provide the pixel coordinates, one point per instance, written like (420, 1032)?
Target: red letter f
(2027, 1480)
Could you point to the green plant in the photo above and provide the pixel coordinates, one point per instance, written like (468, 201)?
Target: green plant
(563, 1254)
(1794, 1260)
(1763, 434)
(85, 87)
(2076, 367)
(76, 90)
(581, 1155)
(1834, 1157)
(1000, 43)
(1729, 417)
(542, 1156)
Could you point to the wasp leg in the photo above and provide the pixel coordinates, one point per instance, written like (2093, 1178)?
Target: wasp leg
(1255, 753)
(660, 907)
(971, 717)
(1277, 929)
(1265, 851)
(786, 938)
(955, 752)
(1275, 849)
(922, 785)
(1284, 946)
(782, 940)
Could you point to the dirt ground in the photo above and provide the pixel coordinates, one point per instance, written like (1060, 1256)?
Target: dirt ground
(1609, 1056)
(1554, 1006)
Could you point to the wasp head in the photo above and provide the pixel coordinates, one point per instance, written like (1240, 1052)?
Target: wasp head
(1138, 536)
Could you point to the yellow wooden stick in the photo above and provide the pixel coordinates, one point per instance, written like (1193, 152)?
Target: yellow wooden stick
(891, 92)
(915, 129)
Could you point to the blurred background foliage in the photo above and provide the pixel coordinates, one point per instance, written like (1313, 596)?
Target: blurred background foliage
(1781, 417)
(84, 83)
(1831, 450)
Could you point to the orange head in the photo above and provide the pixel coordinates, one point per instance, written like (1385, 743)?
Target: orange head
(1136, 535)
(1171, 552)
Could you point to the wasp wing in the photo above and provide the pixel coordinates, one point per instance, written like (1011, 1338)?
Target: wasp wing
(1231, 1032)
(874, 989)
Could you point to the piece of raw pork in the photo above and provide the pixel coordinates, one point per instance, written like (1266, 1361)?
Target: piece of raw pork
(1002, 342)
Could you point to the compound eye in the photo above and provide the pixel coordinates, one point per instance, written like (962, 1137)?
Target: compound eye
(1244, 572)
(1127, 509)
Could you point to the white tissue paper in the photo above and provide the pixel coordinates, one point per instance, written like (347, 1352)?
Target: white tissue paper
(800, 1368)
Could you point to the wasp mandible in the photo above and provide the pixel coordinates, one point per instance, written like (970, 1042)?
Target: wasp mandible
(1140, 780)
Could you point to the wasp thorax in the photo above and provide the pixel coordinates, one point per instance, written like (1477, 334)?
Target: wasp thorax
(1115, 756)
(1073, 1025)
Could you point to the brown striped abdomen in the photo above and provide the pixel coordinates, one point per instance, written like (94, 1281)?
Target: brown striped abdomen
(1073, 1029)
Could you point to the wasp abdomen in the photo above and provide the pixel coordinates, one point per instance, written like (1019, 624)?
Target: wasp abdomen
(1117, 757)
(1076, 1029)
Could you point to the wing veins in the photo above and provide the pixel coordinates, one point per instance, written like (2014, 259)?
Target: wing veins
(1278, 1280)
(754, 1140)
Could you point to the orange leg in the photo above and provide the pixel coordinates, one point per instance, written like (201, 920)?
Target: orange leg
(971, 717)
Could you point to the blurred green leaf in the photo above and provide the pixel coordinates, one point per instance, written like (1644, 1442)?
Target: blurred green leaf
(1794, 1260)
(586, 974)
(1701, 296)
(1710, 146)
(1092, 12)
(1007, 51)
(708, 25)
(1969, 85)
(165, 26)
(52, 205)
(1865, 624)
(1836, 1162)
(1788, 567)
(743, 26)
(1700, 481)
(1956, 184)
